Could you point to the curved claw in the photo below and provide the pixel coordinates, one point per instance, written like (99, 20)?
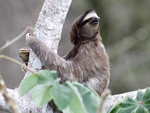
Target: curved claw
(24, 54)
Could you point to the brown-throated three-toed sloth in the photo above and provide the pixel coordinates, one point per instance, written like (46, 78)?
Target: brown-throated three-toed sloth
(87, 62)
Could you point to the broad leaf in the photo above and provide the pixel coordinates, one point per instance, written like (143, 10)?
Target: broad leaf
(41, 95)
(62, 95)
(46, 77)
(126, 105)
(27, 84)
(140, 105)
(146, 96)
(77, 104)
(90, 99)
(91, 90)
(139, 95)
(126, 110)
(140, 109)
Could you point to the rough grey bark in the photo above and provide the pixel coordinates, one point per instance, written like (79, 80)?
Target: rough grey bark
(49, 26)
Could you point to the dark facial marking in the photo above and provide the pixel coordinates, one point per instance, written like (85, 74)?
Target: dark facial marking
(86, 21)
(94, 21)
(83, 15)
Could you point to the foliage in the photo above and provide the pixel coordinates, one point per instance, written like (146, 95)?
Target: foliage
(68, 97)
(140, 105)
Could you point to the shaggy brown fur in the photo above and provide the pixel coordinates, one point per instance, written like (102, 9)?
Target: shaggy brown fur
(86, 63)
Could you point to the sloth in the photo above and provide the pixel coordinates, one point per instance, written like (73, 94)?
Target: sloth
(87, 62)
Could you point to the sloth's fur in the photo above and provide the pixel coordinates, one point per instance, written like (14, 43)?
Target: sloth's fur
(87, 62)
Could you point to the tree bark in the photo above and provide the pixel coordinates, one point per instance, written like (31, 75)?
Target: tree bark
(49, 26)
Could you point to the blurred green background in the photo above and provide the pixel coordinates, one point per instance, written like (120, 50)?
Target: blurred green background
(125, 29)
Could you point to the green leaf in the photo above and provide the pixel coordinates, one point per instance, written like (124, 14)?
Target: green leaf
(90, 99)
(140, 95)
(140, 109)
(126, 110)
(126, 105)
(27, 84)
(46, 77)
(75, 107)
(41, 95)
(146, 96)
(91, 90)
(62, 95)
(77, 104)
(115, 108)
(140, 105)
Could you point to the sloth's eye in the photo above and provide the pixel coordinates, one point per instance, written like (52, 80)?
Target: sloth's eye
(89, 19)
(86, 21)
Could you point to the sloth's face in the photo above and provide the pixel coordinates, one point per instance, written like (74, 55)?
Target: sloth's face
(89, 25)
(85, 27)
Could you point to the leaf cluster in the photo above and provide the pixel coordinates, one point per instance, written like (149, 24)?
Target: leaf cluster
(68, 97)
(141, 104)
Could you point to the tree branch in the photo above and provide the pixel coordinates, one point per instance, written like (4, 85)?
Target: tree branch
(49, 26)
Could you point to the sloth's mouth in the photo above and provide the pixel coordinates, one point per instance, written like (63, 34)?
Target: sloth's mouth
(94, 21)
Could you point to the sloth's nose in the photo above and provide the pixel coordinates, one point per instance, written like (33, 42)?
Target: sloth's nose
(94, 21)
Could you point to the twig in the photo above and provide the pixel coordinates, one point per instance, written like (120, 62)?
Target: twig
(17, 62)
(15, 39)
(103, 98)
(9, 101)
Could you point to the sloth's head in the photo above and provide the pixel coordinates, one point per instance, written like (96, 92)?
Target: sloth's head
(85, 27)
